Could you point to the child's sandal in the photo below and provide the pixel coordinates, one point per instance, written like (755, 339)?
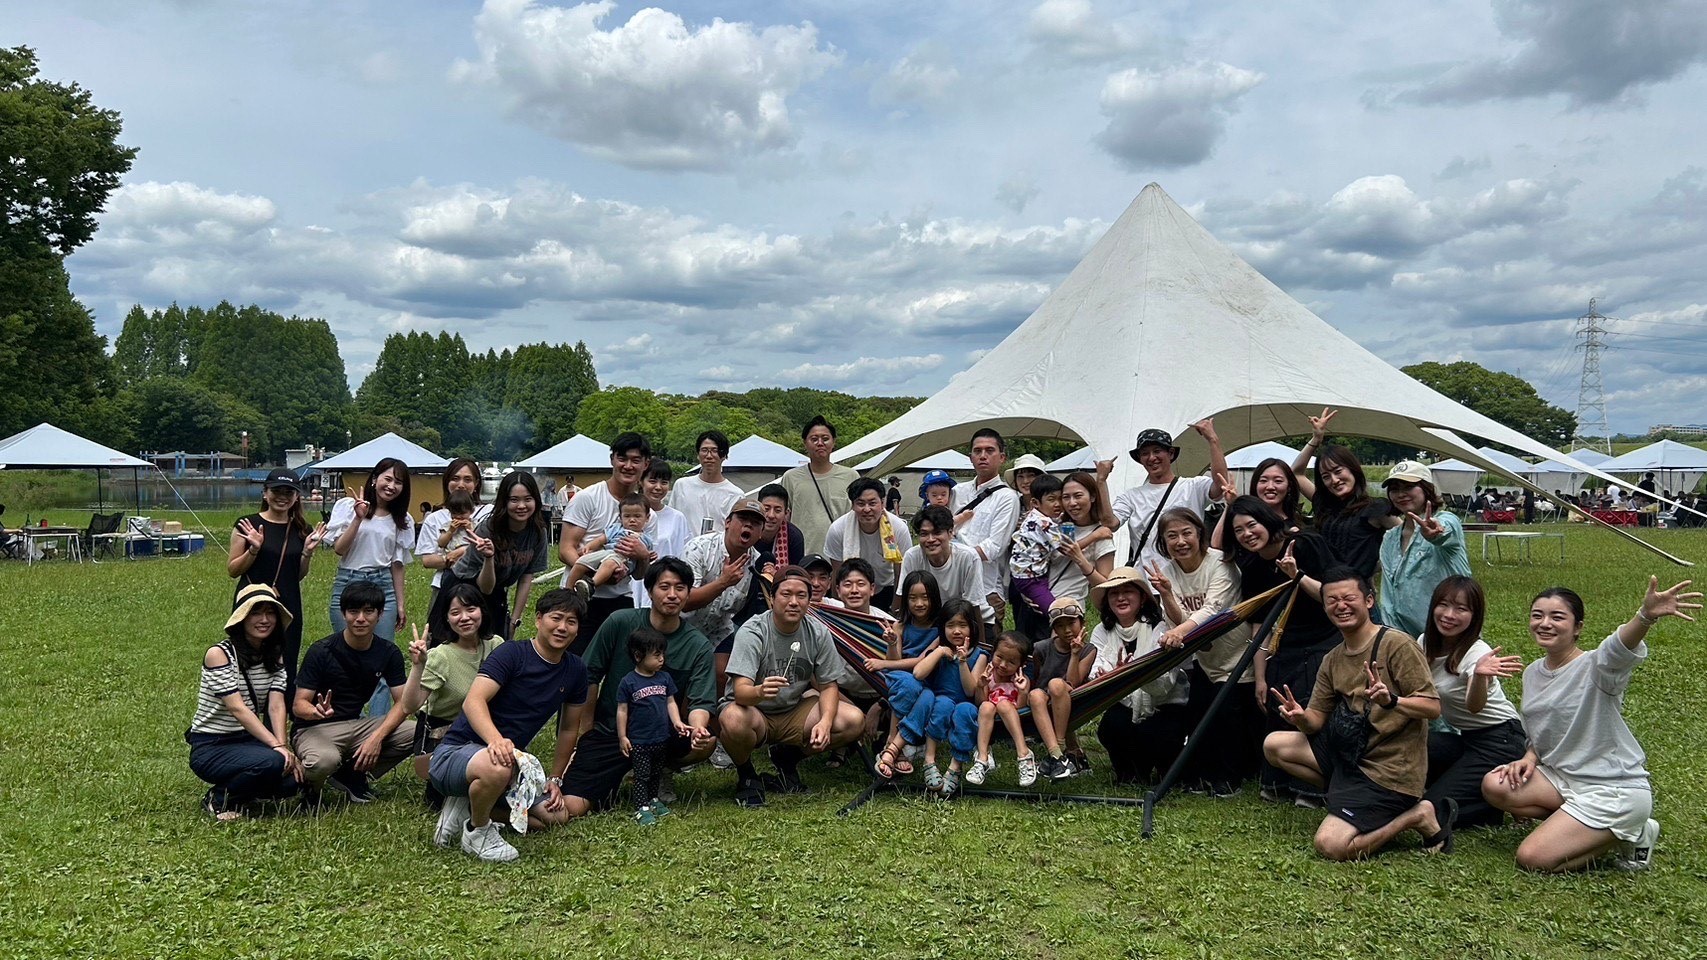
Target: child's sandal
(933, 779)
(950, 784)
(885, 768)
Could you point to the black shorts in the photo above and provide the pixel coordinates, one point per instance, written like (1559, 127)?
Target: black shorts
(1355, 798)
(598, 767)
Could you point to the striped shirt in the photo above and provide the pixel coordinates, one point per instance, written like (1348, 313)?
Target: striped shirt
(217, 682)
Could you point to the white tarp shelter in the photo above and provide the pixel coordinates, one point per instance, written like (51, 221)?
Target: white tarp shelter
(578, 453)
(1455, 478)
(1083, 458)
(47, 447)
(756, 461)
(1676, 466)
(1125, 342)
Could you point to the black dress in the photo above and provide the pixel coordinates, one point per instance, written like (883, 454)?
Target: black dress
(278, 564)
(1354, 536)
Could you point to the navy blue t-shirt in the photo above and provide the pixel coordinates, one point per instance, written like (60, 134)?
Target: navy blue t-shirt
(350, 675)
(648, 700)
(530, 692)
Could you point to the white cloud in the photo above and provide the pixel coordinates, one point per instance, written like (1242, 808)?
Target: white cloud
(922, 77)
(1173, 117)
(868, 371)
(652, 93)
(1075, 31)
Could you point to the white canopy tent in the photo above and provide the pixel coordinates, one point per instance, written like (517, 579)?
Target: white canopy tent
(1083, 458)
(363, 456)
(913, 474)
(1242, 463)
(1455, 478)
(1155, 296)
(578, 453)
(1676, 466)
(47, 447)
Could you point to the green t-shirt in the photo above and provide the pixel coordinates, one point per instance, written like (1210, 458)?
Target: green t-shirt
(688, 659)
(448, 673)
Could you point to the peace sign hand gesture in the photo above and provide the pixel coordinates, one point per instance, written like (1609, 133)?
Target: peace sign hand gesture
(323, 704)
(481, 545)
(363, 509)
(1288, 705)
(1158, 579)
(1287, 563)
(1377, 691)
(1668, 603)
(1319, 425)
(1430, 528)
(418, 646)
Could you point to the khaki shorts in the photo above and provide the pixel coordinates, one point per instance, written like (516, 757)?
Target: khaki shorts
(789, 726)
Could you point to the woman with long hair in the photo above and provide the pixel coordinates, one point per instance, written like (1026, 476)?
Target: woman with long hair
(275, 546)
(1274, 483)
(1143, 733)
(1348, 518)
(440, 677)
(1087, 559)
(1584, 775)
(508, 549)
(239, 740)
(1485, 729)
(374, 537)
(438, 526)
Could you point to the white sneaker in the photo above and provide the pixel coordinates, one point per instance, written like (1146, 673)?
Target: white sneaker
(981, 768)
(451, 818)
(1028, 770)
(1638, 856)
(485, 843)
(721, 760)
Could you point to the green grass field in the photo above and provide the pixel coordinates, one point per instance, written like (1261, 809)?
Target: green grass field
(105, 851)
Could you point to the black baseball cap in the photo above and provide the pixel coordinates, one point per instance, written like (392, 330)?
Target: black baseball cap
(281, 477)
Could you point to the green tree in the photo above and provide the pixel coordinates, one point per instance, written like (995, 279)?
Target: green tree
(1500, 396)
(418, 378)
(62, 159)
(547, 384)
(172, 413)
(614, 410)
(163, 343)
(288, 370)
(59, 159)
(695, 417)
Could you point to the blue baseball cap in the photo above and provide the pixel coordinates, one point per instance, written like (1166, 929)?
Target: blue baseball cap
(935, 478)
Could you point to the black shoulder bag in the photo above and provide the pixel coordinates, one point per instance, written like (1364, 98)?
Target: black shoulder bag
(1348, 731)
(1136, 547)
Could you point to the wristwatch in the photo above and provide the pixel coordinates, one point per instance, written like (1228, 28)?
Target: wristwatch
(555, 781)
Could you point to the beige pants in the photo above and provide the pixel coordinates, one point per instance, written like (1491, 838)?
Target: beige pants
(325, 747)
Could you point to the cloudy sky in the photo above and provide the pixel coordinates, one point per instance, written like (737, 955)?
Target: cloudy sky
(864, 196)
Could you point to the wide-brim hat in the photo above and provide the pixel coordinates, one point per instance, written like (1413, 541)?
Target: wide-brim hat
(1028, 462)
(257, 593)
(1157, 436)
(1119, 576)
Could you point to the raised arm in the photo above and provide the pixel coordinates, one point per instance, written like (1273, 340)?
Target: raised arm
(1301, 463)
(1657, 605)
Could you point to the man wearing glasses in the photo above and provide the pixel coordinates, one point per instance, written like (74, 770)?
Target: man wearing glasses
(592, 512)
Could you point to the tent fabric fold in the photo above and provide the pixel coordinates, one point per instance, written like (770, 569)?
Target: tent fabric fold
(1161, 325)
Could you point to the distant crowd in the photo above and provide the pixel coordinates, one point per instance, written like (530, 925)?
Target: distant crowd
(694, 623)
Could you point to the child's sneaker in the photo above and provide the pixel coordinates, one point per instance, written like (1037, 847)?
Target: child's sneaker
(1063, 768)
(667, 786)
(980, 769)
(659, 810)
(1081, 763)
(1639, 856)
(645, 816)
(584, 589)
(1028, 770)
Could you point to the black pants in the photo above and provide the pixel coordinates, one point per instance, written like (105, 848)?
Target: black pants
(1294, 667)
(648, 763)
(1457, 762)
(1140, 751)
(1230, 747)
(599, 610)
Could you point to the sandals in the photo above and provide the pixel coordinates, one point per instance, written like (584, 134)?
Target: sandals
(889, 761)
(933, 779)
(1442, 842)
(950, 783)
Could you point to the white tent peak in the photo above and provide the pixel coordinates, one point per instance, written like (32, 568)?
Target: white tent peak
(363, 456)
(1161, 325)
(759, 453)
(579, 452)
(45, 446)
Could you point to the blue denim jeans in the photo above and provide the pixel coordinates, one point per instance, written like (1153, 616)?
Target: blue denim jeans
(240, 768)
(385, 629)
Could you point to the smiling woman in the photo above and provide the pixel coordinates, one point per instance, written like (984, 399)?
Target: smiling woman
(508, 548)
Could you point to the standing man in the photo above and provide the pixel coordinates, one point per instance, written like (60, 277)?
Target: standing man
(955, 566)
(704, 498)
(590, 514)
(892, 499)
(986, 511)
(1161, 490)
(599, 765)
(872, 533)
(521, 685)
(817, 489)
(1373, 766)
(778, 656)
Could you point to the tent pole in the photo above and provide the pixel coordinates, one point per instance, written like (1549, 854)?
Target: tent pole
(1228, 689)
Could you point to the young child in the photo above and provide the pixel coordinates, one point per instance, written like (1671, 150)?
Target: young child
(910, 700)
(604, 565)
(1001, 687)
(937, 489)
(646, 714)
(1038, 541)
(453, 541)
(1058, 666)
(954, 715)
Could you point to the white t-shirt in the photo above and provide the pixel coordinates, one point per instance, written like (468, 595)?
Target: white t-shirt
(1135, 506)
(962, 577)
(991, 528)
(433, 524)
(594, 510)
(670, 535)
(705, 554)
(1454, 690)
(1574, 715)
(380, 542)
(705, 505)
(1210, 589)
(1065, 577)
(845, 540)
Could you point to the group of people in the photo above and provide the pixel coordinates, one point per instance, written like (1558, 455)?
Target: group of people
(691, 626)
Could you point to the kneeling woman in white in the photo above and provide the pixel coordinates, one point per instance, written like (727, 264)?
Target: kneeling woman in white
(1592, 792)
